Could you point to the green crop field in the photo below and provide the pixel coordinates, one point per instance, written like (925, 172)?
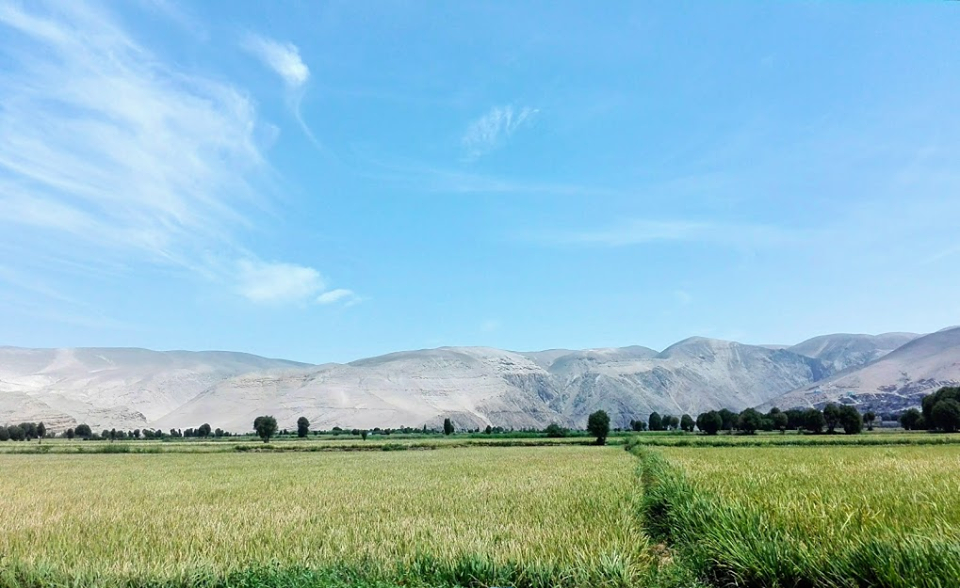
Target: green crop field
(751, 511)
(556, 516)
(810, 516)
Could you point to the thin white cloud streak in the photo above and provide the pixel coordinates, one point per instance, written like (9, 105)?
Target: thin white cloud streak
(641, 231)
(107, 153)
(493, 128)
(342, 295)
(176, 14)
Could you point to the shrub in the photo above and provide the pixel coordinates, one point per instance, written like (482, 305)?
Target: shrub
(555, 430)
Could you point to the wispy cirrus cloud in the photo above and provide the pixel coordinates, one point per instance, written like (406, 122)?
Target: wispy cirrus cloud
(283, 58)
(110, 155)
(645, 231)
(285, 61)
(493, 128)
(340, 295)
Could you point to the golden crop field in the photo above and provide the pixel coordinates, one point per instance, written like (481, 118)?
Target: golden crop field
(524, 516)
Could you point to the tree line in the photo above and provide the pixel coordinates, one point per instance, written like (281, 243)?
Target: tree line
(939, 411)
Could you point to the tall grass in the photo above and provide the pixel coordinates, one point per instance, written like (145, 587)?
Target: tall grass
(563, 516)
(809, 517)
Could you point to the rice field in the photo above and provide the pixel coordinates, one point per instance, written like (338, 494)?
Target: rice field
(809, 516)
(555, 516)
(320, 514)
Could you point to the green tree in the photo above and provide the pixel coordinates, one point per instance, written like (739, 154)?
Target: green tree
(598, 424)
(363, 434)
(41, 431)
(447, 426)
(686, 423)
(831, 416)
(83, 431)
(749, 421)
(303, 427)
(794, 418)
(17, 433)
(931, 400)
(710, 422)
(203, 430)
(70, 433)
(850, 420)
(671, 422)
(946, 415)
(29, 430)
(655, 422)
(813, 420)
(728, 418)
(911, 419)
(4, 433)
(869, 418)
(265, 426)
(555, 430)
(778, 420)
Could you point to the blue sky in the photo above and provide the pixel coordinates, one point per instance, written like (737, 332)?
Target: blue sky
(327, 181)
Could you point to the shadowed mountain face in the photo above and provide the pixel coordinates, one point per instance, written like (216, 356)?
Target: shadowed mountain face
(893, 382)
(137, 388)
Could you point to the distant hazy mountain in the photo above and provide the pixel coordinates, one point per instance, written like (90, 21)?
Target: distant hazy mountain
(137, 388)
(116, 387)
(480, 386)
(895, 381)
(843, 351)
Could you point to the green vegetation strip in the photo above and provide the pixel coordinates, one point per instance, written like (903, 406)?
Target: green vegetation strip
(793, 440)
(297, 446)
(808, 517)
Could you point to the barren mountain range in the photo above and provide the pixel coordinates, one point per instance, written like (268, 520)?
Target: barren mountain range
(474, 386)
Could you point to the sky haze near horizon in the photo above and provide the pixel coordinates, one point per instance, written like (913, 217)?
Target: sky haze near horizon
(329, 181)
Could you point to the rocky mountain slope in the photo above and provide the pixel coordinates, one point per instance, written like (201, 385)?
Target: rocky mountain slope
(116, 387)
(842, 351)
(136, 388)
(895, 381)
